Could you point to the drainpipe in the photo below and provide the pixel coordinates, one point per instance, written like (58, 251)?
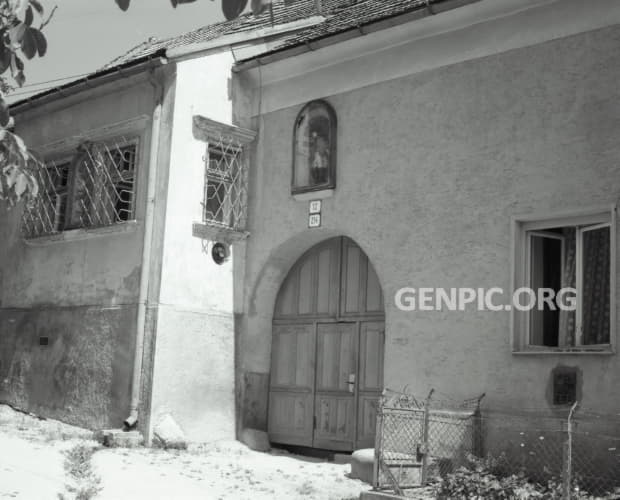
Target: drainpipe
(143, 298)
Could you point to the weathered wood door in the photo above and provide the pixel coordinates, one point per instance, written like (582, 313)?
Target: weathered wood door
(336, 374)
(327, 350)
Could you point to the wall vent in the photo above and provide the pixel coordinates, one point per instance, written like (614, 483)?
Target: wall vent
(565, 388)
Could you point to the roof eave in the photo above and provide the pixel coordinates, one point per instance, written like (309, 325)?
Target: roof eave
(431, 8)
(96, 79)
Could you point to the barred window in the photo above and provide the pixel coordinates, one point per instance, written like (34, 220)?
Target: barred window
(93, 188)
(225, 185)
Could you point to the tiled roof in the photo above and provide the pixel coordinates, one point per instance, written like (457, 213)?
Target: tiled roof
(340, 15)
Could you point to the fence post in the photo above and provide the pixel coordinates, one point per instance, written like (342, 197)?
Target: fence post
(567, 458)
(378, 444)
(425, 447)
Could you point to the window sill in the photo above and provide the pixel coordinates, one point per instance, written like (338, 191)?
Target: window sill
(314, 195)
(82, 234)
(575, 351)
(216, 232)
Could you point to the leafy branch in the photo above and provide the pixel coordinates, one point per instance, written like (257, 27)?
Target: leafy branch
(19, 39)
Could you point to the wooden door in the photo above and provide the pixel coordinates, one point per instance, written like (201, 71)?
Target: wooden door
(327, 351)
(370, 385)
(336, 376)
(291, 395)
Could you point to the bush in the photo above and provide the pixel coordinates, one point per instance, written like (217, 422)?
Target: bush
(481, 479)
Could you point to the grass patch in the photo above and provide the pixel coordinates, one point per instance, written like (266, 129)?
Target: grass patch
(84, 484)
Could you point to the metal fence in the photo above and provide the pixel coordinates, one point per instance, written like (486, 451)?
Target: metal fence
(573, 453)
(419, 438)
(578, 451)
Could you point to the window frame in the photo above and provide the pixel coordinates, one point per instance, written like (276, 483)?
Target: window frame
(226, 178)
(333, 149)
(522, 227)
(71, 156)
(66, 159)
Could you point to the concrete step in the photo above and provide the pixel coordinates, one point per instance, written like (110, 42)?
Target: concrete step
(118, 438)
(362, 464)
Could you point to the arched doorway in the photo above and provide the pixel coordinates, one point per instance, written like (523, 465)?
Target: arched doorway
(327, 350)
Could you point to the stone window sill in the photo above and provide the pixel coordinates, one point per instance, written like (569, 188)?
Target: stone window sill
(83, 234)
(605, 351)
(314, 195)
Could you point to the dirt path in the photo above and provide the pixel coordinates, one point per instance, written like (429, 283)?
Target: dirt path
(32, 456)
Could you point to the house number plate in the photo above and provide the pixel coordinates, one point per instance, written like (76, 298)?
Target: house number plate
(314, 220)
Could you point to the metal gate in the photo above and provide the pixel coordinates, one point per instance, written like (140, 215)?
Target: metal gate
(420, 438)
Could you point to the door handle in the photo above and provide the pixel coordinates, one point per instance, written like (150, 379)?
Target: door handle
(351, 382)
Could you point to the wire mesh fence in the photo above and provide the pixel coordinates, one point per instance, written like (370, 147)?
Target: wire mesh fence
(578, 452)
(417, 438)
(565, 453)
(92, 187)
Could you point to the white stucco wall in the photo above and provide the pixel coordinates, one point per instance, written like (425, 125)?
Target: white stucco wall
(432, 166)
(193, 372)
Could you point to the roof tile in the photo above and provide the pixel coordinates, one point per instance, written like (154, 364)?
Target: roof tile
(340, 15)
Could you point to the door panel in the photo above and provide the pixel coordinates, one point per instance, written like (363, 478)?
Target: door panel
(314, 357)
(291, 396)
(360, 289)
(336, 371)
(372, 339)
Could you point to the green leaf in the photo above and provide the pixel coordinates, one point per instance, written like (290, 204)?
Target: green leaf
(29, 16)
(5, 116)
(16, 33)
(123, 4)
(233, 8)
(5, 59)
(17, 69)
(41, 42)
(37, 6)
(20, 78)
(29, 43)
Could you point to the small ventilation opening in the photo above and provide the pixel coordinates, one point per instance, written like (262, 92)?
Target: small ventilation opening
(565, 388)
(44, 341)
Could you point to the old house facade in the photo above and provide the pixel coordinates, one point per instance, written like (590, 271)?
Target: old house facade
(457, 146)
(229, 217)
(100, 272)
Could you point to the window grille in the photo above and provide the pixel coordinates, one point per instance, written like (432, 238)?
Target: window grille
(225, 188)
(93, 188)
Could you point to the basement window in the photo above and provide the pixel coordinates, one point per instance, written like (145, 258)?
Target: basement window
(564, 387)
(571, 261)
(93, 187)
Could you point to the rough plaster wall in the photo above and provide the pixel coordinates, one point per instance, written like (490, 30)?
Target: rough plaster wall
(193, 375)
(81, 294)
(431, 168)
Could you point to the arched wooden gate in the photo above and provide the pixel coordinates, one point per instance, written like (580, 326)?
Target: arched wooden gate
(327, 350)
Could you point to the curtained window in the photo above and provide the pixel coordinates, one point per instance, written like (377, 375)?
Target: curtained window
(569, 256)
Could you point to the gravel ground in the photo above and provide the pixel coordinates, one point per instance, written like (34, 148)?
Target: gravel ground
(32, 467)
